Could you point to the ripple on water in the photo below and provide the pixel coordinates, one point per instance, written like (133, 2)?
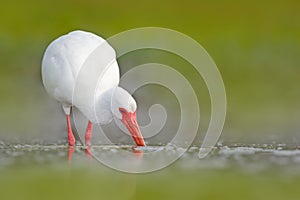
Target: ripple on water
(251, 157)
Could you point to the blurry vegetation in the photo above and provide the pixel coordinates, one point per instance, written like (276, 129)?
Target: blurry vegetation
(255, 44)
(92, 183)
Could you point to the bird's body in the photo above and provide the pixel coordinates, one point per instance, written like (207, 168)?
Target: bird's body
(62, 63)
(67, 66)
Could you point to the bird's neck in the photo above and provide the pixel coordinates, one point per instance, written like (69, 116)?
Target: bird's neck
(103, 107)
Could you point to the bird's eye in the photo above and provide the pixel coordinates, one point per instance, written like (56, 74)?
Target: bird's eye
(122, 110)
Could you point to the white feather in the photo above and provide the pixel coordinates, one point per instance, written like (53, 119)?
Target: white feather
(80, 69)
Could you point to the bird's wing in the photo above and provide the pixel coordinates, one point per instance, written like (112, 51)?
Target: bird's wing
(63, 60)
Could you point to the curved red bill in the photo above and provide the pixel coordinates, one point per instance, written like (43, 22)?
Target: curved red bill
(129, 120)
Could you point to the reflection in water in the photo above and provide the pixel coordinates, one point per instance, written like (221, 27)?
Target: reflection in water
(88, 153)
(70, 153)
(137, 152)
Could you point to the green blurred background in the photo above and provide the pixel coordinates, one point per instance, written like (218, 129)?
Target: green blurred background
(255, 44)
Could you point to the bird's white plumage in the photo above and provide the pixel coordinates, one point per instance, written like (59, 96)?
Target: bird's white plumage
(75, 62)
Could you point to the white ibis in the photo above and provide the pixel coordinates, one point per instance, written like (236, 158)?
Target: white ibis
(62, 61)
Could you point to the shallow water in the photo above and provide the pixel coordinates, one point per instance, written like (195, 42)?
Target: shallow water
(229, 172)
(249, 158)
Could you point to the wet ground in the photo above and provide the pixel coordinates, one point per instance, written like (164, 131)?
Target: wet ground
(246, 157)
(265, 171)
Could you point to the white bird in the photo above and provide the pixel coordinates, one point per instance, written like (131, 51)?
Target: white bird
(73, 60)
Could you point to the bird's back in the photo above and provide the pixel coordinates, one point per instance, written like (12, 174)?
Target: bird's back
(63, 60)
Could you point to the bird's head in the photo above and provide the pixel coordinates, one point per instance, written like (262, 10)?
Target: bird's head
(124, 108)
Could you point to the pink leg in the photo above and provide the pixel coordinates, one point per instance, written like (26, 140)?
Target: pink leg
(88, 134)
(71, 138)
